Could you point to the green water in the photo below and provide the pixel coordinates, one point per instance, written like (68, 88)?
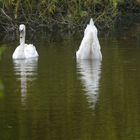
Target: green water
(57, 98)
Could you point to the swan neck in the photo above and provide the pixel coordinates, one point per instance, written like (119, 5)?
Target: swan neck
(22, 40)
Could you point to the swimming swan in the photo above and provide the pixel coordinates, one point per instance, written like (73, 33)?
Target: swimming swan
(24, 51)
(90, 46)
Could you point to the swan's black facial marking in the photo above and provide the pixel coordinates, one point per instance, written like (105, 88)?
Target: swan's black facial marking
(21, 33)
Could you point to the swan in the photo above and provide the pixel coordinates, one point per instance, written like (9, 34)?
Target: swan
(90, 46)
(24, 51)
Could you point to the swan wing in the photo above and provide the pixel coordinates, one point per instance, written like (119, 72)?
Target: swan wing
(85, 48)
(30, 51)
(18, 53)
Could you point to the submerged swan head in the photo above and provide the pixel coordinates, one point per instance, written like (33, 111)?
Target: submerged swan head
(22, 30)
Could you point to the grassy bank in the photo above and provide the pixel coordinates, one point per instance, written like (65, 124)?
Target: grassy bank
(63, 14)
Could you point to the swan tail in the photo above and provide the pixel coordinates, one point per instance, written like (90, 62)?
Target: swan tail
(91, 22)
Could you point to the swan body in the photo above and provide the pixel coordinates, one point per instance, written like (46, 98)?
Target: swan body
(24, 51)
(90, 46)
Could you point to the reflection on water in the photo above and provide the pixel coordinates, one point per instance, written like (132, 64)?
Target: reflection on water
(2, 49)
(1, 89)
(52, 99)
(90, 75)
(25, 69)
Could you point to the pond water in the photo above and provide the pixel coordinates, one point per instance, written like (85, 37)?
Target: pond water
(56, 98)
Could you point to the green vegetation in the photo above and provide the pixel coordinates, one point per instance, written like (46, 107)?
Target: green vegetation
(63, 13)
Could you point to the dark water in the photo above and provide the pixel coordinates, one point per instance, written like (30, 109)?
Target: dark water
(56, 98)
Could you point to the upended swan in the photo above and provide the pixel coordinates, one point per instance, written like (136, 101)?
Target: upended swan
(90, 46)
(24, 51)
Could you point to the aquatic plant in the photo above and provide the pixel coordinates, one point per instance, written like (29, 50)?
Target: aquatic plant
(63, 13)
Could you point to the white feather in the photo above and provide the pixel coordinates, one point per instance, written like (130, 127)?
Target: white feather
(90, 46)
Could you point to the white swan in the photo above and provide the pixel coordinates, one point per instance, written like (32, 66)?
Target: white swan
(90, 46)
(24, 51)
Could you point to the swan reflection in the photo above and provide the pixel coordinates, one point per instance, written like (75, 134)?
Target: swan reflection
(90, 72)
(25, 70)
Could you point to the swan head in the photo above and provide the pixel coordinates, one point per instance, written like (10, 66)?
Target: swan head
(22, 30)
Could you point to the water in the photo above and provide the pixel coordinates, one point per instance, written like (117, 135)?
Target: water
(56, 98)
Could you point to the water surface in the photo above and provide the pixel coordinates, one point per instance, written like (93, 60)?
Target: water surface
(56, 98)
